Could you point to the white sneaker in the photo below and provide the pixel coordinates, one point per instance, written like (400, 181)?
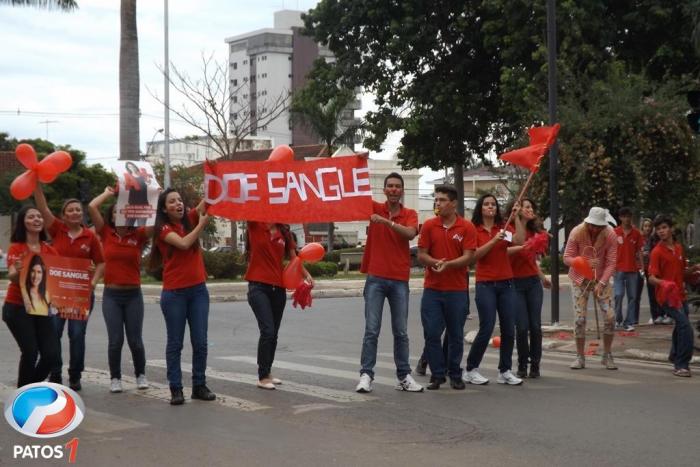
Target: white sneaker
(507, 377)
(142, 382)
(629, 328)
(408, 384)
(659, 320)
(365, 384)
(667, 320)
(115, 385)
(474, 377)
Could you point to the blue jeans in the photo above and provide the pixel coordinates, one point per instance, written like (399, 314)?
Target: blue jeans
(494, 297)
(446, 340)
(189, 305)
(439, 310)
(267, 302)
(528, 320)
(682, 337)
(654, 308)
(376, 290)
(76, 342)
(626, 283)
(123, 311)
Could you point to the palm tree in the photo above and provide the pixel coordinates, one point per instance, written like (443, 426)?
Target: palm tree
(129, 139)
(65, 5)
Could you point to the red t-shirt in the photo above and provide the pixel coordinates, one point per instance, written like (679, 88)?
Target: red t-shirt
(86, 245)
(523, 265)
(122, 255)
(16, 252)
(449, 244)
(181, 268)
(265, 254)
(387, 253)
(495, 265)
(668, 265)
(628, 245)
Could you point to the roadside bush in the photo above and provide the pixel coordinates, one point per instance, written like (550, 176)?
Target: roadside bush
(322, 269)
(334, 256)
(224, 265)
(545, 265)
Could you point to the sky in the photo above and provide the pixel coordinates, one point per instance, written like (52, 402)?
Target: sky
(59, 79)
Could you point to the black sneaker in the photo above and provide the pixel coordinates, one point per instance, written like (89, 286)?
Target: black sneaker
(435, 383)
(421, 367)
(75, 385)
(176, 396)
(202, 393)
(522, 372)
(457, 383)
(534, 371)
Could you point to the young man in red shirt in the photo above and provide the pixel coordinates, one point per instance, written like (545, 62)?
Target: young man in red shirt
(445, 247)
(387, 263)
(629, 263)
(666, 272)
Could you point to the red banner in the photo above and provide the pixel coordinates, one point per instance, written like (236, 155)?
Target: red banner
(324, 190)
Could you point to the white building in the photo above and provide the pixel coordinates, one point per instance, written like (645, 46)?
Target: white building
(270, 63)
(194, 150)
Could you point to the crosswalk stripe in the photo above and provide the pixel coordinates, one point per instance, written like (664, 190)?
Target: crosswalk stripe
(351, 361)
(162, 391)
(288, 386)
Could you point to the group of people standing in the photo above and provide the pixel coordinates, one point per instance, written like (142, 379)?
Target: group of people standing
(508, 282)
(115, 255)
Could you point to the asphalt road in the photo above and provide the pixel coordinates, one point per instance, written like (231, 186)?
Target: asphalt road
(639, 415)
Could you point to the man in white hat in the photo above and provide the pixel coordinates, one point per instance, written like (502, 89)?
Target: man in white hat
(595, 241)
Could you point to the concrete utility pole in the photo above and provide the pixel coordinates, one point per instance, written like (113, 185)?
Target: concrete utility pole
(166, 103)
(553, 163)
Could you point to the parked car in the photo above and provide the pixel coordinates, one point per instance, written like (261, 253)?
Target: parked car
(221, 249)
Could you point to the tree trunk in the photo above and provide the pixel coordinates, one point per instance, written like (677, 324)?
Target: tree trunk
(129, 139)
(459, 185)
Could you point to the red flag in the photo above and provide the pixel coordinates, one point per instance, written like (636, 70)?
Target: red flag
(543, 134)
(528, 157)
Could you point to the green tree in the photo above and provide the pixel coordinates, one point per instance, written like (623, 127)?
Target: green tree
(129, 139)
(321, 106)
(65, 5)
(81, 181)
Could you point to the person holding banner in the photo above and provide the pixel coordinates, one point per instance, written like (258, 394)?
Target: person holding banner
(35, 334)
(185, 298)
(495, 292)
(122, 300)
(73, 240)
(137, 185)
(266, 246)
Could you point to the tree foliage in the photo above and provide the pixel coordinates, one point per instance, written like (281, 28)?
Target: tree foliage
(65, 5)
(81, 181)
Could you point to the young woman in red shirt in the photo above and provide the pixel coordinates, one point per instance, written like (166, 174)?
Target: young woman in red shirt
(495, 294)
(185, 298)
(73, 240)
(122, 300)
(528, 281)
(266, 246)
(35, 335)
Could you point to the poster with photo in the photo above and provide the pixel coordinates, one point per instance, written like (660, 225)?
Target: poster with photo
(138, 194)
(56, 285)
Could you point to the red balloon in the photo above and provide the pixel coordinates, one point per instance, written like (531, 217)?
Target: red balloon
(281, 153)
(23, 185)
(26, 155)
(582, 267)
(496, 341)
(293, 275)
(47, 173)
(312, 252)
(61, 160)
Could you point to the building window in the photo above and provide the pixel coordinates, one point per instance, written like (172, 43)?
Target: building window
(264, 75)
(264, 93)
(235, 65)
(235, 82)
(289, 58)
(245, 62)
(235, 116)
(235, 99)
(264, 127)
(245, 79)
(245, 96)
(290, 75)
(252, 78)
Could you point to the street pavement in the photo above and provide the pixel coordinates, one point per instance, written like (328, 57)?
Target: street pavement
(639, 415)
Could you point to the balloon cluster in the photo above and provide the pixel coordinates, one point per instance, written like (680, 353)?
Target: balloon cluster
(293, 275)
(44, 171)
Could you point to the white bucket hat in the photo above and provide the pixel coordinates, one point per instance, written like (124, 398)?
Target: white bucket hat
(600, 217)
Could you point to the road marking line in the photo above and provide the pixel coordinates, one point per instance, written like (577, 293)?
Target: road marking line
(318, 392)
(162, 391)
